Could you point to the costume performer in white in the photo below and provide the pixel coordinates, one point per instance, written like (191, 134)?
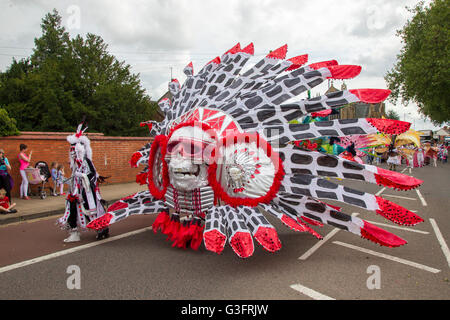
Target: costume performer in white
(84, 202)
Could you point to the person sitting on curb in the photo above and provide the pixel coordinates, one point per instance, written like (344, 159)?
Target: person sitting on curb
(5, 207)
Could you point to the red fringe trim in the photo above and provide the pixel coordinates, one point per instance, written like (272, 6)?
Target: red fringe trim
(268, 238)
(159, 141)
(396, 213)
(380, 236)
(117, 205)
(160, 222)
(100, 223)
(312, 222)
(242, 244)
(389, 126)
(396, 180)
(134, 159)
(214, 241)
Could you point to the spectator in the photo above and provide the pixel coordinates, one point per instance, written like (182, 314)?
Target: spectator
(54, 173)
(5, 207)
(24, 163)
(60, 179)
(6, 181)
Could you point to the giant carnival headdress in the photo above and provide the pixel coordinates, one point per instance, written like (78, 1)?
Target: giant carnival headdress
(224, 157)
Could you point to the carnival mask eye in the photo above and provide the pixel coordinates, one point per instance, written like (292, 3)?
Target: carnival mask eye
(186, 147)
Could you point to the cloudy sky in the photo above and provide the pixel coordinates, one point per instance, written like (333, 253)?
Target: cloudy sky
(157, 37)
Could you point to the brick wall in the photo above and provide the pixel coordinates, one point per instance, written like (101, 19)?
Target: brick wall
(110, 154)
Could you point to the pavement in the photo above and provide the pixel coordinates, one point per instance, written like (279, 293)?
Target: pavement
(36, 207)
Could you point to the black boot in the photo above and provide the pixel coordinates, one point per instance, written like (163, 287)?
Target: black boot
(102, 234)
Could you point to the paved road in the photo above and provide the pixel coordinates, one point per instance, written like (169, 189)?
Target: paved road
(142, 265)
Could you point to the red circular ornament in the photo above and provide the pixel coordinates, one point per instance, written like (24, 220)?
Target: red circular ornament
(262, 162)
(158, 177)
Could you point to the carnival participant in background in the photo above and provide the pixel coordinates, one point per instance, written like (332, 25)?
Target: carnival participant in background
(432, 153)
(84, 202)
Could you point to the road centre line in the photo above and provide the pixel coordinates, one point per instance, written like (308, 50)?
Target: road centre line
(315, 247)
(400, 197)
(380, 192)
(389, 257)
(71, 250)
(310, 292)
(396, 227)
(422, 199)
(441, 240)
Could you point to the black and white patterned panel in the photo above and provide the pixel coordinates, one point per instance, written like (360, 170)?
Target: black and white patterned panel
(190, 92)
(234, 222)
(310, 186)
(327, 101)
(299, 161)
(145, 152)
(253, 218)
(293, 75)
(278, 114)
(138, 208)
(277, 93)
(244, 109)
(214, 220)
(139, 198)
(174, 88)
(271, 96)
(165, 105)
(318, 211)
(279, 213)
(283, 133)
(157, 127)
(261, 74)
(216, 87)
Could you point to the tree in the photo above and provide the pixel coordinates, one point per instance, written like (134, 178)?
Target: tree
(422, 71)
(66, 79)
(7, 125)
(391, 114)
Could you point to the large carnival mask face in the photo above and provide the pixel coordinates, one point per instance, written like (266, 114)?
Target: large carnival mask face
(188, 152)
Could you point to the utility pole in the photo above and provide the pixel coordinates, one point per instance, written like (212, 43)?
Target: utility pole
(171, 74)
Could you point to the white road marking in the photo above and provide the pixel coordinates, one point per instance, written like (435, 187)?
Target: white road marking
(404, 170)
(400, 197)
(396, 227)
(71, 250)
(380, 192)
(441, 240)
(424, 203)
(315, 247)
(310, 292)
(389, 257)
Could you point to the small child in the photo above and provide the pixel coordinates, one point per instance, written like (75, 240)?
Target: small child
(54, 172)
(60, 179)
(5, 207)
